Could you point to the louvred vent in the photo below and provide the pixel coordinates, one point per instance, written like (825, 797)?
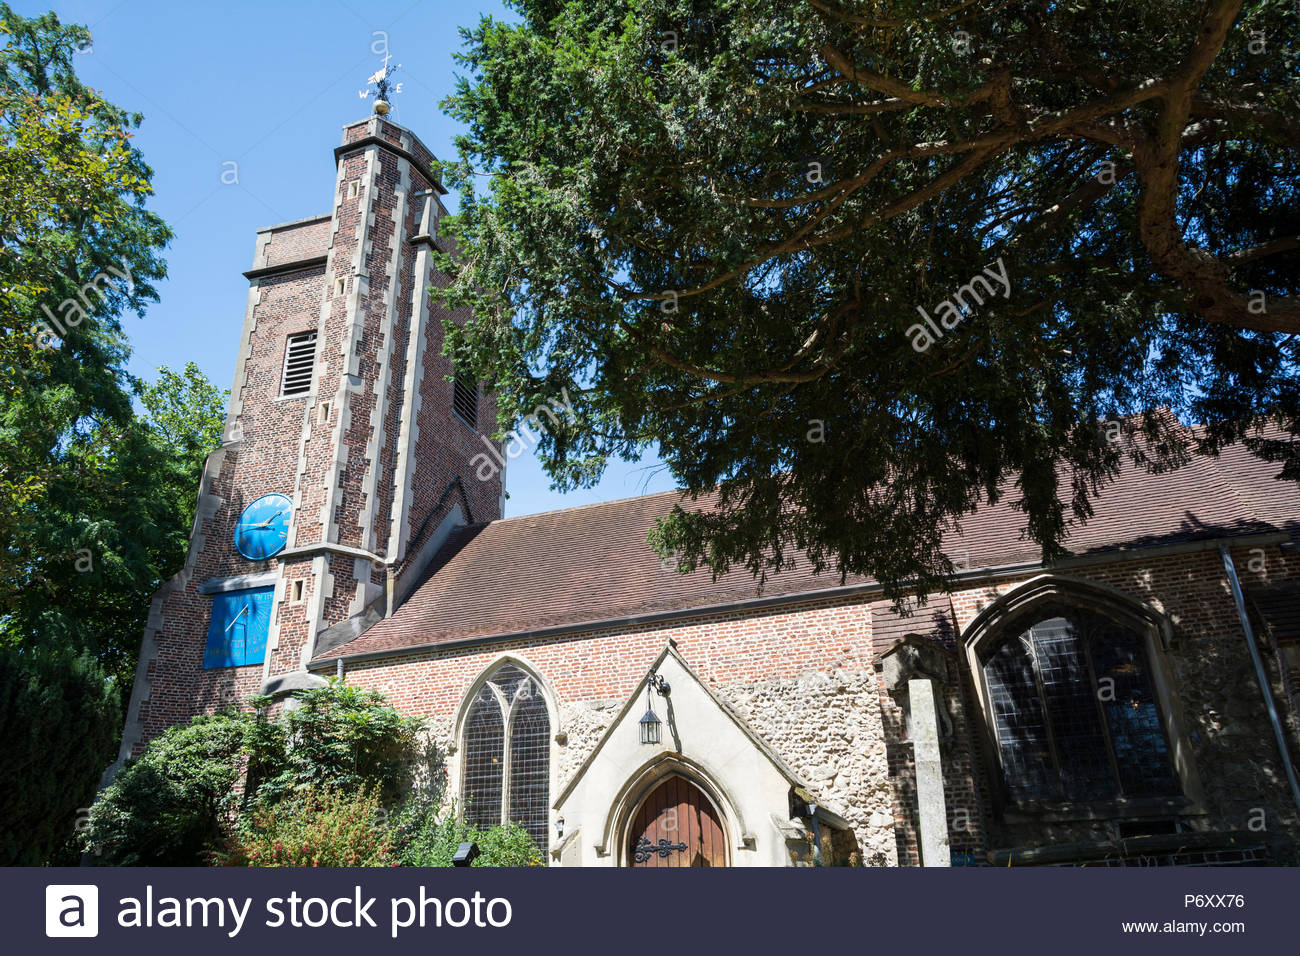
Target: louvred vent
(464, 398)
(299, 359)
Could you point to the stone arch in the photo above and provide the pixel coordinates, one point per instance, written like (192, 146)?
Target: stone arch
(674, 824)
(484, 675)
(1066, 589)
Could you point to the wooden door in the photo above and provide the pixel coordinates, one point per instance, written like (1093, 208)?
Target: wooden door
(677, 825)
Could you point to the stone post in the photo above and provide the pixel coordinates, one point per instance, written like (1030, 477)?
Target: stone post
(929, 773)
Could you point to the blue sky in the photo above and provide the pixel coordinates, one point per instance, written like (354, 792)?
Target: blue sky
(268, 86)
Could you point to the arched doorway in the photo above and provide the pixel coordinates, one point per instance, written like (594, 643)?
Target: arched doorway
(676, 825)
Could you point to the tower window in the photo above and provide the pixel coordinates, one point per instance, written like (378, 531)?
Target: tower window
(464, 398)
(299, 362)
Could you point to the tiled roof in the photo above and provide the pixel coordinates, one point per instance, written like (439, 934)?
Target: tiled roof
(581, 566)
(1274, 500)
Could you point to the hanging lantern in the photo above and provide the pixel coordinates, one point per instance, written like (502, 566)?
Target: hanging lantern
(651, 728)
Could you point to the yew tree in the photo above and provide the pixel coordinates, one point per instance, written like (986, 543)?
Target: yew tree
(729, 228)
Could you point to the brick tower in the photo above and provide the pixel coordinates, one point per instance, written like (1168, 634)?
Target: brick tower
(350, 446)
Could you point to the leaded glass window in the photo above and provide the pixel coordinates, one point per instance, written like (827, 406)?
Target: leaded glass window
(1074, 710)
(507, 754)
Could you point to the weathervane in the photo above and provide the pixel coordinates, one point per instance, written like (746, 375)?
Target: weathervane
(379, 80)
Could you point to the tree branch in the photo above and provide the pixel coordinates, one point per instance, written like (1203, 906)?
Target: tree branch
(1158, 172)
(1263, 250)
(896, 88)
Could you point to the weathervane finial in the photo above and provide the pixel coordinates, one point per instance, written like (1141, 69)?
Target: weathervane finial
(379, 80)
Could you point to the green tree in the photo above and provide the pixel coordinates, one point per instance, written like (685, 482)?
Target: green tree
(59, 719)
(186, 414)
(719, 225)
(95, 501)
(77, 248)
(170, 806)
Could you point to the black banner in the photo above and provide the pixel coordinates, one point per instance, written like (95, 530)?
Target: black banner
(194, 911)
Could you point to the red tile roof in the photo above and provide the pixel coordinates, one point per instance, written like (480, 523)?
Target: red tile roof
(1274, 500)
(581, 566)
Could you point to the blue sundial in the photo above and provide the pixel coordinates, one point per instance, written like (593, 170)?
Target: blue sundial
(263, 528)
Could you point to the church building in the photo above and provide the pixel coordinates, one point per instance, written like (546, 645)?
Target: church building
(1134, 704)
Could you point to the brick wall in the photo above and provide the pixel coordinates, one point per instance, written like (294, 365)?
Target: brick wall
(260, 458)
(293, 242)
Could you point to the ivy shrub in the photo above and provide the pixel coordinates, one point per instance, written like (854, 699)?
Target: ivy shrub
(508, 845)
(427, 835)
(59, 716)
(347, 738)
(310, 787)
(313, 827)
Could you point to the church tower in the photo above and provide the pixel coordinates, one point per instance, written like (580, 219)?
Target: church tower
(352, 447)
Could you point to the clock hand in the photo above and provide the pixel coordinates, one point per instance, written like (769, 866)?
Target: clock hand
(263, 524)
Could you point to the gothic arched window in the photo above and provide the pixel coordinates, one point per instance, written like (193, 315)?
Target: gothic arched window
(507, 754)
(1073, 709)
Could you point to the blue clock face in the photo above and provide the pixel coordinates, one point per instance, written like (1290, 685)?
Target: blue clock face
(263, 528)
